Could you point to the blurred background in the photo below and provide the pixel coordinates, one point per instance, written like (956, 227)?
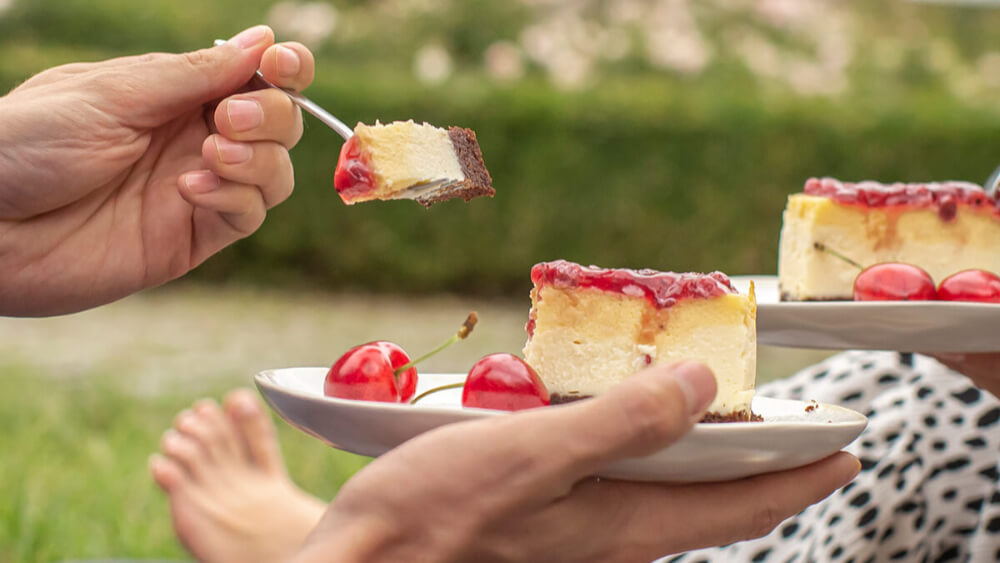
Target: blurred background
(637, 133)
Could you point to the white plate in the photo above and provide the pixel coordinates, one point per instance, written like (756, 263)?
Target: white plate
(907, 326)
(788, 437)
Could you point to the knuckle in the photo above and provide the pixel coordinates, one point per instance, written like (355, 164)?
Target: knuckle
(44, 77)
(196, 59)
(766, 518)
(148, 58)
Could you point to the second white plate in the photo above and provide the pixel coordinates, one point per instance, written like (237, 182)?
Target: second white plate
(790, 435)
(907, 326)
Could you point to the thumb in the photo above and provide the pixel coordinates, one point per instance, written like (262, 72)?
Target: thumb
(168, 85)
(643, 414)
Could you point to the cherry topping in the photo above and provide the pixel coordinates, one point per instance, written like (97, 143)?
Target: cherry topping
(354, 175)
(368, 372)
(503, 382)
(970, 285)
(942, 196)
(893, 281)
(661, 289)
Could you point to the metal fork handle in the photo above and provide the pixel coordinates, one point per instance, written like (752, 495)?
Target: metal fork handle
(992, 183)
(305, 103)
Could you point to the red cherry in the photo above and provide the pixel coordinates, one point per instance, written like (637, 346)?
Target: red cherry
(367, 372)
(405, 381)
(970, 285)
(354, 175)
(503, 382)
(894, 281)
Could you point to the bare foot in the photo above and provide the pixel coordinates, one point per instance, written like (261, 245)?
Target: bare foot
(230, 497)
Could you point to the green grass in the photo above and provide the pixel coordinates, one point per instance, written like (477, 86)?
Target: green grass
(73, 468)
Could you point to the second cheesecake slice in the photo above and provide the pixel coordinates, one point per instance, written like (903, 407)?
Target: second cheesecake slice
(590, 328)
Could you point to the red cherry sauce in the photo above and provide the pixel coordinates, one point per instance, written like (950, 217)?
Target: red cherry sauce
(661, 289)
(530, 325)
(943, 197)
(354, 176)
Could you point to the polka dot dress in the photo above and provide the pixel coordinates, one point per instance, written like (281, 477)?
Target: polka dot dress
(929, 488)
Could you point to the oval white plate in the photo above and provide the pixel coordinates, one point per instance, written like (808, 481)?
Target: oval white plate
(788, 437)
(907, 326)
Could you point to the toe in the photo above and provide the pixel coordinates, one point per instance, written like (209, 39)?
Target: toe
(167, 474)
(254, 425)
(185, 453)
(191, 426)
(218, 433)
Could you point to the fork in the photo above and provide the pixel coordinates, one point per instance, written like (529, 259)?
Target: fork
(992, 183)
(305, 103)
(413, 192)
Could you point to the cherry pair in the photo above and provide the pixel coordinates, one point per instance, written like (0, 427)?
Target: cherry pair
(382, 371)
(894, 281)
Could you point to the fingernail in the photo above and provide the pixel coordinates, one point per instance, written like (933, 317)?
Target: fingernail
(287, 61)
(250, 37)
(698, 384)
(201, 181)
(852, 466)
(244, 115)
(231, 152)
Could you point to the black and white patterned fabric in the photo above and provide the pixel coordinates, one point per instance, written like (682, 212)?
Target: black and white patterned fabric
(929, 488)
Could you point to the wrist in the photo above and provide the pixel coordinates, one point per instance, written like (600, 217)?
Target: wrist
(351, 538)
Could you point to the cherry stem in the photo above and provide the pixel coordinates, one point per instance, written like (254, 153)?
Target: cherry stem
(467, 326)
(459, 385)
(823, 248)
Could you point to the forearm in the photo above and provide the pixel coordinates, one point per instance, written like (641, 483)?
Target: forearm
(374, 536)
(357, 539)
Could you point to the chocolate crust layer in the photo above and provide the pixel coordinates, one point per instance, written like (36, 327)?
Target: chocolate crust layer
(559, 399)
(742, 416)
(477, 179)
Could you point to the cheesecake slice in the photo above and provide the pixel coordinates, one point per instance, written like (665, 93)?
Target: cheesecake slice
(405, 160)
(941, 227)
(590, 328)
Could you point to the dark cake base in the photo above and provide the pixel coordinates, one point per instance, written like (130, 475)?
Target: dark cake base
(477, 180)
(559, 399)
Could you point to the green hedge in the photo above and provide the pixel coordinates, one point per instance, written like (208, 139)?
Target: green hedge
(613, 180)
